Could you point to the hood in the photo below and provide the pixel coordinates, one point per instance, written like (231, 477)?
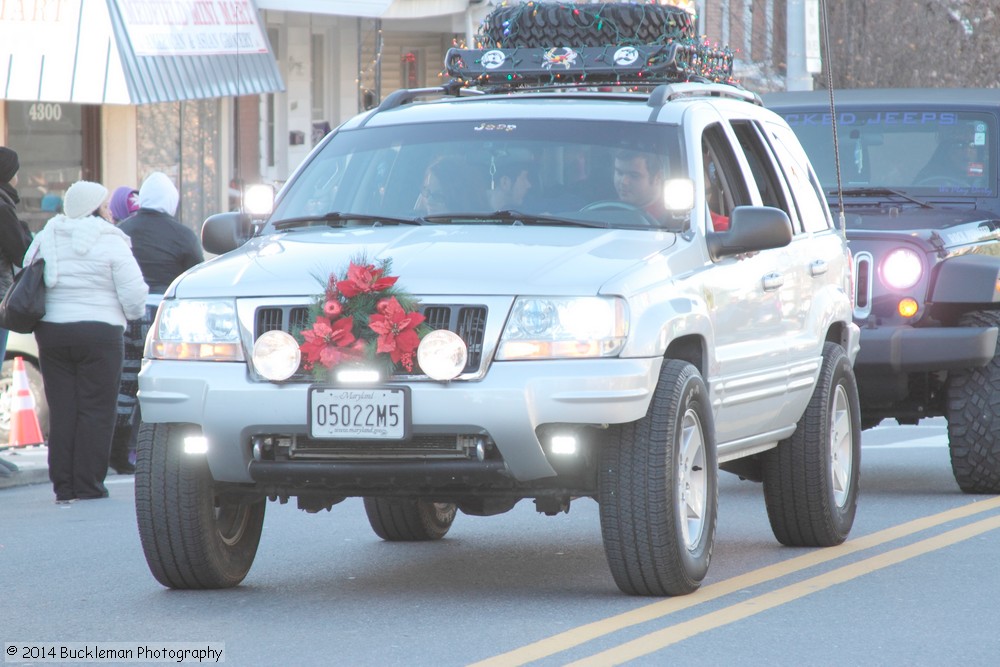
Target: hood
(159, 193)
(908, 218)
(429, 260)
(84, 233)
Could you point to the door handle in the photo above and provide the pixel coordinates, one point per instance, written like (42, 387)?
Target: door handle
(773, 281)
(818, 268)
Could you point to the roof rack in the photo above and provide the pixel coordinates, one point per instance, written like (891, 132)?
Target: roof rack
(675, 91)
(644, 65)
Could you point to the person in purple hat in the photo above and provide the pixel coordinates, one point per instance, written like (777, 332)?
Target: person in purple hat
(124, 202)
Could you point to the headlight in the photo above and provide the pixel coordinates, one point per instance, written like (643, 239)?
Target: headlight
(564, 328)
(276, 355)
(901, 269)
(195, 330)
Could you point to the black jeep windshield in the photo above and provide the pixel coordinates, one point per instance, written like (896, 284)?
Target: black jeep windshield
(923, 154)
(548, 171)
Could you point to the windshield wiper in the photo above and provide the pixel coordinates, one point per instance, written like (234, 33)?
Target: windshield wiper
(516, 218)
(875, 192)
(337, 219)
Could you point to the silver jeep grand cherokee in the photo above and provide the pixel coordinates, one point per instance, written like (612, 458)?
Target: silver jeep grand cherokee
(599, 346)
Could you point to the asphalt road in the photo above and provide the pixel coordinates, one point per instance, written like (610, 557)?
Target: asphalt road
(916, 583)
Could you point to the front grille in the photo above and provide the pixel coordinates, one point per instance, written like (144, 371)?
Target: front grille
(417, 447)
(468, 321)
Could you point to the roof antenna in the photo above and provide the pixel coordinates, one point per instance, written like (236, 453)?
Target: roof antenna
(841, 218)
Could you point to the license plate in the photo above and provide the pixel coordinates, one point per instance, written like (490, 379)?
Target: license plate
(359, 413)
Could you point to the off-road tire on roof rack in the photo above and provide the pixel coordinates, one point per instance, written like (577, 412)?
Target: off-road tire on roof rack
(547, 25)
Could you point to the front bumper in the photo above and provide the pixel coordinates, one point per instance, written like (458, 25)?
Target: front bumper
(507, 406)
(912, 350)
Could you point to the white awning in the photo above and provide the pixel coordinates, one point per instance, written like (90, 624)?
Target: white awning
(385, 9)
(134, 52)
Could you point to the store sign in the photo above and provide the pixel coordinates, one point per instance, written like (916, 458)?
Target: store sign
(192, 27)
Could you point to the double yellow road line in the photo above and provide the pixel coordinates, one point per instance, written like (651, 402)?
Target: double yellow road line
(660, 639)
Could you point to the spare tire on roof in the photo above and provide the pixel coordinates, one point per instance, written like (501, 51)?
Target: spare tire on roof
(555, 24)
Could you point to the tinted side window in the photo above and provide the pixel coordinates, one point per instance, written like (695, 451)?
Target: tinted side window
(809, 199)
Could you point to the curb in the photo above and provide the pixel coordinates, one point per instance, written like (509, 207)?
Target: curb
(24, 477)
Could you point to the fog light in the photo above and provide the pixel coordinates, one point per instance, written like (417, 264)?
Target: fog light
(276, 355)
(358, 376)
(195, 444)
(563, 444)
(442, 355)
(907, 307)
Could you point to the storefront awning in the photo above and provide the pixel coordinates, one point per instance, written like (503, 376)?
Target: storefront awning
(133, 51)
(385, 9)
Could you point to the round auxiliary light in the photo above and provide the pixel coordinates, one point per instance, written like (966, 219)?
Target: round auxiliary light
(442, 355)
(276, 355)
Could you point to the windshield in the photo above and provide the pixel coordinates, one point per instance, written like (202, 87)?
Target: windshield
(920, 153)
(532, 171)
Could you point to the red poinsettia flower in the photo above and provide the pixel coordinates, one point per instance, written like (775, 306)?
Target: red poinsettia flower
(329, 342)
(364, 279)
(396, 331)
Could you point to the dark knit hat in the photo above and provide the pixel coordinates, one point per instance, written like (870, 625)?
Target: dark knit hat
(9, 164)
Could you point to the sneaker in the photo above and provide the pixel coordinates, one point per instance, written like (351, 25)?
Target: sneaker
(64, 502)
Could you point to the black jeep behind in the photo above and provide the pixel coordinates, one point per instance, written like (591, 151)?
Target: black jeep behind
(919, 172)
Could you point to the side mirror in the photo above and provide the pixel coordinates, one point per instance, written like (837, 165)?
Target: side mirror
(223, 232)
(751, 228)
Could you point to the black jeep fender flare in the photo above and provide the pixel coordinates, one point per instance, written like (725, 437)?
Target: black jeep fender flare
(967, 279)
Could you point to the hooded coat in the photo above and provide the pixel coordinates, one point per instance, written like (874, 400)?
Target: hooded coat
(90, 273)
(163, 247)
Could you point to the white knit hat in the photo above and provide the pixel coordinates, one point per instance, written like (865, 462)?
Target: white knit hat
(83, 198)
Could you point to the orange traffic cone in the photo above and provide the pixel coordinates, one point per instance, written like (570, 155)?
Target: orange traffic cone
(24, 427)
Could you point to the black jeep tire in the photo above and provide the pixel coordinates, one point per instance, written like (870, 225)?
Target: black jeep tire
(973, 412)
(409, 519)
(193, 537)
(658, 489)
(811, 479)
(547, 25)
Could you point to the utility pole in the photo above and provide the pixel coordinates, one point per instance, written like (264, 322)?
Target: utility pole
(802, 44)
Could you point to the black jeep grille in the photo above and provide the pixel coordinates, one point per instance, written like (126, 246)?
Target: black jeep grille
(469, 322)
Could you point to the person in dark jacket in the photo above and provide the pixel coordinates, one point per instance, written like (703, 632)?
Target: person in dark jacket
(14, 234)
(164, 249)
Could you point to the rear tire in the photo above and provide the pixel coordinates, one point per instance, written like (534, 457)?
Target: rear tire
(811, 479)
(658, 489)
(409, 519)
(974, 418)
(193, 536)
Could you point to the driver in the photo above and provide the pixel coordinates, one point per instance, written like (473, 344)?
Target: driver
(638, 178)
(954, 162)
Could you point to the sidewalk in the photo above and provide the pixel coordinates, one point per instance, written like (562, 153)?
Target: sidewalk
(24, 465)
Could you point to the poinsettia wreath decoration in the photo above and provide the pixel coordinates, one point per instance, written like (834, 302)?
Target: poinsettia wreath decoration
(362, 318)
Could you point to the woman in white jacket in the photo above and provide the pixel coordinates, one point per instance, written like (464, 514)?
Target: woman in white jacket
(93, 286)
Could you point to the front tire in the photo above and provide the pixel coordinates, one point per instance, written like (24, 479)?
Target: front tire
(409, 519)
(658, 489)
(193, 535)
(811, 479)
(974, 418)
